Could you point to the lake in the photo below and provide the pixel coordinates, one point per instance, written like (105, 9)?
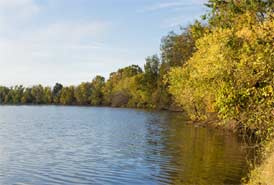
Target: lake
(86, 145)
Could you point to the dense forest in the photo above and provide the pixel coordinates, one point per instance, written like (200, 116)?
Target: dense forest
(222, 64)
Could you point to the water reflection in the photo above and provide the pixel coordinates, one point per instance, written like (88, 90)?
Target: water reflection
(84, 145)
(195, 155)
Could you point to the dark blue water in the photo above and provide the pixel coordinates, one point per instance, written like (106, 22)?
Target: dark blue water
(84, 145)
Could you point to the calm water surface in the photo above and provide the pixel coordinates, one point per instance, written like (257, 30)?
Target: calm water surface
(83, 145)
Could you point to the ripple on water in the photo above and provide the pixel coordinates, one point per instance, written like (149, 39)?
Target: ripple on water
(83, 145)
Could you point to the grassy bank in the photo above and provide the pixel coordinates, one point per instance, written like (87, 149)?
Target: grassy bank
(263, 174)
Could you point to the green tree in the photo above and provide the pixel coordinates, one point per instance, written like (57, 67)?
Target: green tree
(48, 95)
(151, 73)
(56, 92)
(67, 96)
(113, 92)
(97, 90)
(38, 94)
(15, 94)
(82, 93)
(225, 13)
(231, 73)
(4, 92)
(27, 96)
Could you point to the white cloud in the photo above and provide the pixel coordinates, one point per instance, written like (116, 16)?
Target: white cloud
(164, 5)
(180, 20)
(176, 21)
(14, 14)
(16, 3)
(18, 8)
(67, 33)
(172, 4)
(184, 12)
(32, 53)
(52, 42)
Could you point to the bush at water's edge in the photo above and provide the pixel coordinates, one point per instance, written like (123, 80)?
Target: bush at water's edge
(263, 174)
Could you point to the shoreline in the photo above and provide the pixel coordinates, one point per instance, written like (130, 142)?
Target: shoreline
(254, 173)
(263, 173)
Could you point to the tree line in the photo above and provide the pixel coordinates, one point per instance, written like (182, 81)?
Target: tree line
(131, 86)
(223, 64)
(128, 87)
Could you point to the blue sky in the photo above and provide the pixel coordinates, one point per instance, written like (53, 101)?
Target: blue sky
(71, 41)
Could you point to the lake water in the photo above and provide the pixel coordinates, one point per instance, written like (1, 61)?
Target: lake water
(84, 145)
